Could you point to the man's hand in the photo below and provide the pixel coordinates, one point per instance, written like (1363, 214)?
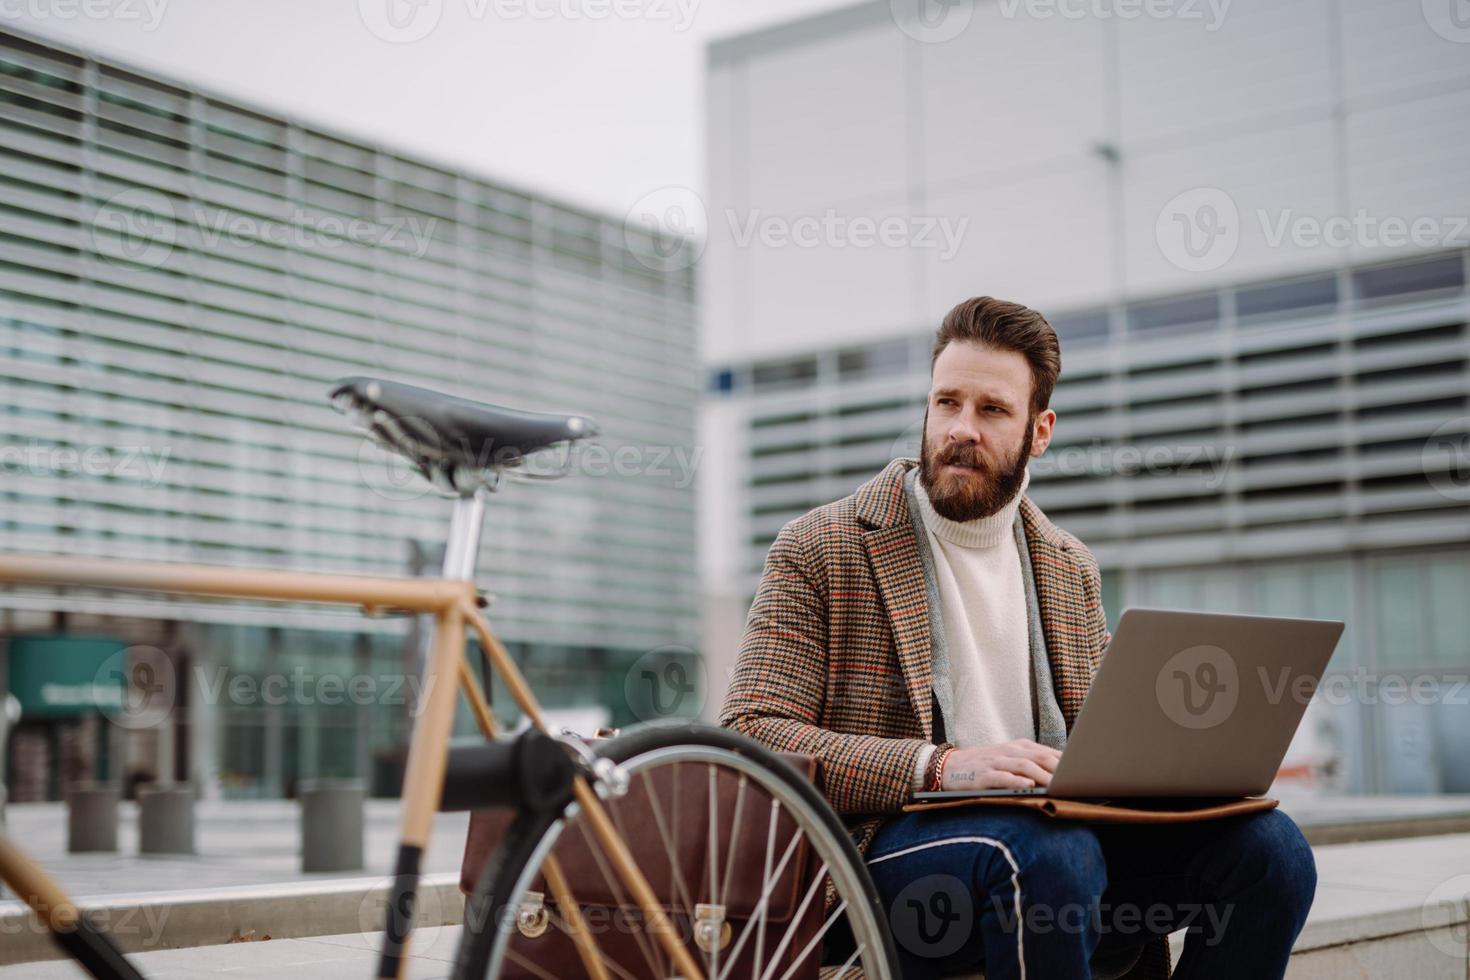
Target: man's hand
(1020, 764)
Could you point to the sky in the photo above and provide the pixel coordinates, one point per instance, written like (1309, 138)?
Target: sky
(596, 102)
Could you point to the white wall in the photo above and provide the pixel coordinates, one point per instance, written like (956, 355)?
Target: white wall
(1063, 144)
(1294, 109)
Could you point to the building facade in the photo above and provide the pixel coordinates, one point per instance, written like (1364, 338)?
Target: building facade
(1264, 403)
(182, 277)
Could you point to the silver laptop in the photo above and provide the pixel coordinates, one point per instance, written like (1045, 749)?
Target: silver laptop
(1188, 704)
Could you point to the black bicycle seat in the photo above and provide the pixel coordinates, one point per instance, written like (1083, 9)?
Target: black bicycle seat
(441, 433)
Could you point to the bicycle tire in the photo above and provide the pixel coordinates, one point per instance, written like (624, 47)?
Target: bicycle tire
(506, 874)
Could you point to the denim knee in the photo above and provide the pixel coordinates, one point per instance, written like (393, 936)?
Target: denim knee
(1063, 864)
(1271, 848)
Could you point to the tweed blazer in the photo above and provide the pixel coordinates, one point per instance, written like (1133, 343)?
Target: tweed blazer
(835, 660)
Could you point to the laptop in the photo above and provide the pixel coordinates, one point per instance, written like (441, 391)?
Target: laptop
(1188, 704)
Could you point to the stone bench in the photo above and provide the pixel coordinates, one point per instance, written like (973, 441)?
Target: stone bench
(1393, 908)
(1388, 908)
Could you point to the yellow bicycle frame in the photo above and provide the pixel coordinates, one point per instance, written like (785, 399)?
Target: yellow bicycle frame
(454, 606)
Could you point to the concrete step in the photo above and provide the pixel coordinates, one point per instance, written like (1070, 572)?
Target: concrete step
(1390, 908)
(245, 915)
(346, 957)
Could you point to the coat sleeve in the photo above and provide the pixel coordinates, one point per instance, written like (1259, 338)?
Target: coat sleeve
(778, 691)
(1097, 617)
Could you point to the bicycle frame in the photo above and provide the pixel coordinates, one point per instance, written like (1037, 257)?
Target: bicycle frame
(453, 602)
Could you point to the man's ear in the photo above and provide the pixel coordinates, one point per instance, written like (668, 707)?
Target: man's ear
(1041, 433)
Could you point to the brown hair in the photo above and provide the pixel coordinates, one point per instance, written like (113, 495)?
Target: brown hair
(1006, 326)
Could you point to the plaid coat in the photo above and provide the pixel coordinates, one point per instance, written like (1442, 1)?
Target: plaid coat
(835, 661)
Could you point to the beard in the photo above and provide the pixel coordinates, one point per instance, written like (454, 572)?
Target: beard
(980, 493)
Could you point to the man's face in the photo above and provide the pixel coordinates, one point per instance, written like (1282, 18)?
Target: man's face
(979, 431)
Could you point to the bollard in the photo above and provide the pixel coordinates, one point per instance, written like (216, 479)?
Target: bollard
(166, 819)
(91, 818)
(331, 824)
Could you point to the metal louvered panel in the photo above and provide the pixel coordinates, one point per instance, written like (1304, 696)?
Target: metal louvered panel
(182, 277)
(1266, 431)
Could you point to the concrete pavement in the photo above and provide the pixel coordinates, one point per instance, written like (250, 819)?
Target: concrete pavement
(238, 842)
(258, 841)
(1392, 908)
(347, 957)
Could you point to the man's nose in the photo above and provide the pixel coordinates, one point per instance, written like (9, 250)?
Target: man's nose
(964, 429)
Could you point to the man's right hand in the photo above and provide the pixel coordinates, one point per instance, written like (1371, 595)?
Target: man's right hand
(1020, 764)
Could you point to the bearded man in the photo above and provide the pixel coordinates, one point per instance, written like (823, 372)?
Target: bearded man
(935, 631)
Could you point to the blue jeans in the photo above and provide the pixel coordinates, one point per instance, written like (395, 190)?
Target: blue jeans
(957, 883)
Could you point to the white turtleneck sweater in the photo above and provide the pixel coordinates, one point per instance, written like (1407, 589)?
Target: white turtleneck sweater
(983, 600)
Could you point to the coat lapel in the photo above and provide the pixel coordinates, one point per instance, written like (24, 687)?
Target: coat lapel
(898, 571)
(1060, 593)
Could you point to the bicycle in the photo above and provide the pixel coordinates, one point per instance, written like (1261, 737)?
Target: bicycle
(567, 797)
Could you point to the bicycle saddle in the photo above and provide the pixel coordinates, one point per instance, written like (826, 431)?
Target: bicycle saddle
(455, 442)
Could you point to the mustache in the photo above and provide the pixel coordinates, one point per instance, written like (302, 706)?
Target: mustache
(963, 457)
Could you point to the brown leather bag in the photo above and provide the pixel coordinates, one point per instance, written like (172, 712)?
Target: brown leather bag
(614, 918)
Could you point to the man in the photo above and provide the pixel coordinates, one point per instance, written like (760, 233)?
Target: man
(935, 630)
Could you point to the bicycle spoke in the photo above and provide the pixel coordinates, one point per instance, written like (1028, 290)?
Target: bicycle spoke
(617, 817)
(767, 883)
(792, 882)
(527, 965)
(842, 970)
(807, 949)
(714, 834)
(712, 859)
(734, 839)
(556, 882)
(675, 874)
(654, 956)
(561, 924)
(765, 899)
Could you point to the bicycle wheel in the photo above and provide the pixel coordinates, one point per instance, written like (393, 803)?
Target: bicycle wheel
(754, 870)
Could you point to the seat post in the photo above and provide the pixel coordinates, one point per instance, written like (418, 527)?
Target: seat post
(463, 545)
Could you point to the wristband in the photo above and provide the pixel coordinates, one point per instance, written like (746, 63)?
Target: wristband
(936, 766)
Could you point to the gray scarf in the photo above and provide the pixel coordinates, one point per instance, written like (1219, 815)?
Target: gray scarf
(1046, 714)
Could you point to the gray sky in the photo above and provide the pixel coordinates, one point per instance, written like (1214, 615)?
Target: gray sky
(596, 101)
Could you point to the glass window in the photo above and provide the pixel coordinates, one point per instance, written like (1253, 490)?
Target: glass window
(1443, 273)
(336, 749)
(722, 381)
(1199, 589)
(875, 359)
(242, 754)
(1180, 314)
(1330, 596)
(780, 374)
(1296, 296)
(1318, 590)
(1281, 591)
(1398, 588)
(1112, 596)
(1449, 612)
(1169, 591)
(1080, 326)
(1220, 591)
